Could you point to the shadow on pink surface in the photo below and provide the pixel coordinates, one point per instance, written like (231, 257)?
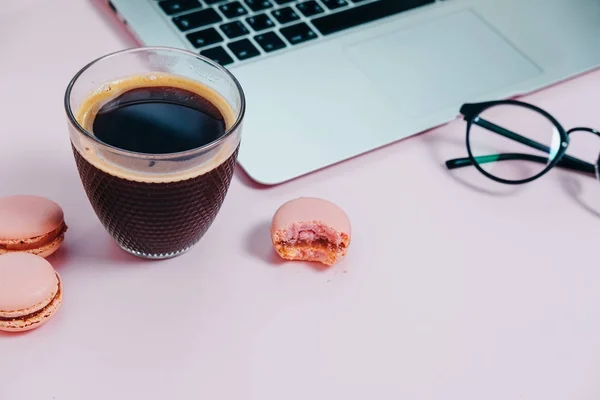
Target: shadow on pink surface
(109, 16)
(258, 244)
(245, 179)
(587, 199)
(15, 335)
(60, 258)
(94, 246)
(445, 148)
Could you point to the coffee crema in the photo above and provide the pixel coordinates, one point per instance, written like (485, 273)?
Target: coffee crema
(152, 205)
(137, 170)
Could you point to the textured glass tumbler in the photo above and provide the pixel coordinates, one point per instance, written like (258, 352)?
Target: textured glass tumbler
(154, 205)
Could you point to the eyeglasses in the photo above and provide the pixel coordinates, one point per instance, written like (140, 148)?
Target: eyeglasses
(514, 142)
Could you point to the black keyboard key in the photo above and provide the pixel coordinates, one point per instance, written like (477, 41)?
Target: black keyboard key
(298, 33)
(334, 4)
(197, 19)
(258, 5)
(204, 37)
(176, 6)
(309, 8)
(243, 49)
(211, 2)
(233, 9)
(234, 29)
(217, 54)
(280, 2)
(269, 41)
(260, 22)
(285, 15)
(363, 14)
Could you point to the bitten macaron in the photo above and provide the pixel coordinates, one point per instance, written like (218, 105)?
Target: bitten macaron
(30, 291)
(31, 224)
(311, 229)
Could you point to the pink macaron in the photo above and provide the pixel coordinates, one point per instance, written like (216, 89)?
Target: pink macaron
(311, 229)
(31, 224)
(30, 291)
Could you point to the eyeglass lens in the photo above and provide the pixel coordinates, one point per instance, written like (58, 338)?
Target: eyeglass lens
(513, 142)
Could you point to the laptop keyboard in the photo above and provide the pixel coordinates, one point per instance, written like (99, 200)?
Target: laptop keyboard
(235, 31)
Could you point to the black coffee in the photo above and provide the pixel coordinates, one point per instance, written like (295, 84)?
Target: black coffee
(156, 219)
(148, 212)
(158, 120)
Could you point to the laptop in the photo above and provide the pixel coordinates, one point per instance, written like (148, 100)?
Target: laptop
(327, 80)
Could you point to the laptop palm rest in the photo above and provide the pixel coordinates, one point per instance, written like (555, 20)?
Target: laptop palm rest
(422, 69)
(363, 90)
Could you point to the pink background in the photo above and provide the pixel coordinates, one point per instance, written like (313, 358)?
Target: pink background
(454, 287)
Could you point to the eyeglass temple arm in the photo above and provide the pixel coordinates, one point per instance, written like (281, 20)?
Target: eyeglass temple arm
(577, 165)
(566, 161)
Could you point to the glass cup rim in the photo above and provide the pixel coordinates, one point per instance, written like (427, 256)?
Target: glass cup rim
(198, 150)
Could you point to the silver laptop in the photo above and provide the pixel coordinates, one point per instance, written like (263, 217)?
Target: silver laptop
(327, 80)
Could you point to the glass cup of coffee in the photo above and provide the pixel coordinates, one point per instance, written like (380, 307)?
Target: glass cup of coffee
(155, 134)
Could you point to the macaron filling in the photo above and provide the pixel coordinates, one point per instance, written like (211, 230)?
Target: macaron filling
(34, 242)
(46, 309)
(311, 241)
(320, 243)
(311, 234)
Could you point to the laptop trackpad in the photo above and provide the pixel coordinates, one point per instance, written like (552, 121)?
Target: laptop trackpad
(441, 63)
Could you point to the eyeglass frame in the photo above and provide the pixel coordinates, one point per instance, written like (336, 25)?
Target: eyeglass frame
(471, 111)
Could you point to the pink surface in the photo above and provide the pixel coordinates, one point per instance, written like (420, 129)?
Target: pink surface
(28, 216)
(27, 284)
(454, 287)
